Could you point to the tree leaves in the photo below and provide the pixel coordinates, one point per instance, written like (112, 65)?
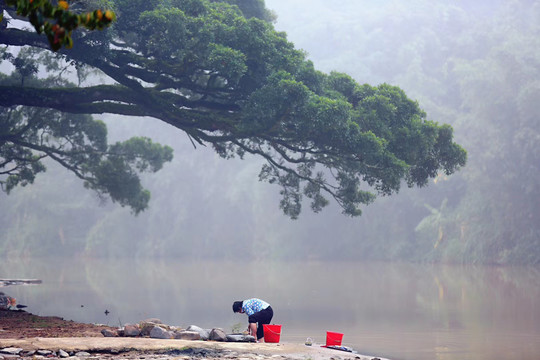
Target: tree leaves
(228, 79)
(79, 143)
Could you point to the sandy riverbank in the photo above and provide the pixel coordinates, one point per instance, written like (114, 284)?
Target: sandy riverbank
(30, 336)
(145, 348)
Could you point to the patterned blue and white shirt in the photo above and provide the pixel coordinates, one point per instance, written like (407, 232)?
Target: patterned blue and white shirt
(252, 306)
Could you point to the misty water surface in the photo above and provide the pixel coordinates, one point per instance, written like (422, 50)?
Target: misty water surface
(401, 311)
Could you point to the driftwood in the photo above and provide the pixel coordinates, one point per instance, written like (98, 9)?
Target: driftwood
(6, 282)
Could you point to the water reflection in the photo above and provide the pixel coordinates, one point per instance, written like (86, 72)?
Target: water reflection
(401, 311)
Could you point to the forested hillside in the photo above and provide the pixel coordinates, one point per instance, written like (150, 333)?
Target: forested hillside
(473, 65)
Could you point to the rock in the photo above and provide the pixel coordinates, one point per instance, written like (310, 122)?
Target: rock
(146, 328)
(147, 325)
(204, 333)
(218, 334)
(44, 352)
(82, 354)
(160, 333)
(132, 330)
(62, 353)
(187, 335)
(11, 351)
(109, 333)
(240, 338)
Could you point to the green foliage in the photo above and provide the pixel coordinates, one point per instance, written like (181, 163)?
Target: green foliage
(24, 66)
(164, 32)
(253, 8)
(228, 62)
(219, 71)
(79, 143)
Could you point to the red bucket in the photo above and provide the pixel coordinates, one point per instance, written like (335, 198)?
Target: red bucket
(333, 338)
(271, 333)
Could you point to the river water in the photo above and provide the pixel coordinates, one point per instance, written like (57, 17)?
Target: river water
(400, 311)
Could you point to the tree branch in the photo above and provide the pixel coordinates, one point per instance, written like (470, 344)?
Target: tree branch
(17, 37)
(329, 188)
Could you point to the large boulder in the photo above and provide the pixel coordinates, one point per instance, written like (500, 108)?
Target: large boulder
(187, 335)
(132, 330)
(147, 325)
(11, 351)
(109, 333)
(204, 333)
(158, 332)
(218, 334)
(63, 354)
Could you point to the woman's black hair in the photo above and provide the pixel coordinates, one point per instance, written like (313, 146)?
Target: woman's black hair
(237, 306)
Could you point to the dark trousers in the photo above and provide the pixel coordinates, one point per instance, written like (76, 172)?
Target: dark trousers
(262, 317)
